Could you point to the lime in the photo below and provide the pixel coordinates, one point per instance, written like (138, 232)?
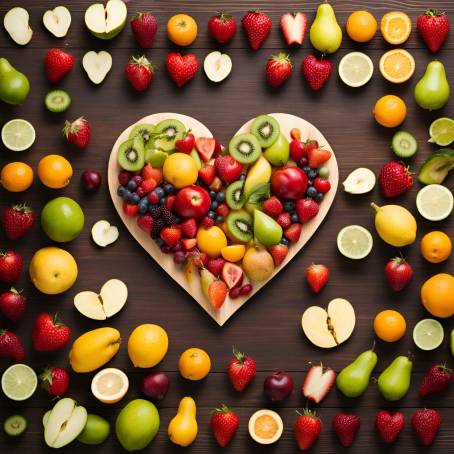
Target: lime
(18, 134)
(441, 131)
(434, 202)
(19, 382)
(15, 425)
(355, 69)
(354, 242)
(428, 334)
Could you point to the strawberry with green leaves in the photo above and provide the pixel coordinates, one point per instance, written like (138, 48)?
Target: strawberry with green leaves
(224, 424)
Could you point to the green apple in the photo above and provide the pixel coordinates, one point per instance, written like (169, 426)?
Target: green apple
(96, 430)
(266, 230)
(14, 85)
(194, 155)
(278, 153)
(106, 22)
(155, 157)
(62, 219)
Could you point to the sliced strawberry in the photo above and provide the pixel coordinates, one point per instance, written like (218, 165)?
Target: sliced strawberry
(189, 243)
(293, 232)
(318, 383)
(205, 147)
(207, 174)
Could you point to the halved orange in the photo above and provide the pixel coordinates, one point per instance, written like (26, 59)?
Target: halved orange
(234, 252)
(265, 426)
(395, 27)
(110, 385)
(397, 65)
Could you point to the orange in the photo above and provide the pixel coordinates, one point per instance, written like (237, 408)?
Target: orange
(16, 176)
(194, 364)
(211, 241)
(182, 29)
(395, 27)
(54, 171)
(437, 295)
(233, 253)
(361, 26)
(436, 246)
(389, 325)
(390, 111)
(397, 65)
(180, 169)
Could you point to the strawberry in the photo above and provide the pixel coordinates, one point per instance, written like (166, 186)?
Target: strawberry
(293, 232)
(322, 185)
(189, 228)
(318, 383)
(297, 150)
(139, 71)
(311, 144)
(216, 265)
(170, 235)
(398, 273)
(308, 428)
(145, 222)
(218, 148)
(11, 346)
(224, 424)
(217, 293)
(77, 132)
(170, 202)
(257, 26)
(426, 424)
(278, 69)
(293, 27)
(148, 185)
(13, 305)
(284, 220)
(437, 379)
(55, 381)
(227, 168)
(222, 27)
(186, 144)
(306, 209)
(205, 147)
(241, 370)
(273, 207)
(182, 68)
(278, 252)
(49, 333)
(222, 210)
(346, 426)
(394, 179)
(130, 209)
(316, 71)
(17, 220)
(207, 222)
(389, 425)
(433, 27)
(11, 263)
(317, 276)
(57, 64)
(317, 156)
(189, 243)
(144, 27)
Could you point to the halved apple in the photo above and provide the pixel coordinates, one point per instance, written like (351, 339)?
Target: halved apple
(360, 181)
(106, 22)
(16, 23)
(331, 327)
(57, 21)
(104, 234)
(97, 65)
(217, 66)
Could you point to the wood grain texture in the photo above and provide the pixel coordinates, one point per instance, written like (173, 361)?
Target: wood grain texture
(268, 327)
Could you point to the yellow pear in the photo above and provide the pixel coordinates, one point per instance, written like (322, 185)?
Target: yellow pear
(183, 426)
(94, 348)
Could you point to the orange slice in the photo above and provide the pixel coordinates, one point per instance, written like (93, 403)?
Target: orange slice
(397, 65)
(395, 27)
(265, 426)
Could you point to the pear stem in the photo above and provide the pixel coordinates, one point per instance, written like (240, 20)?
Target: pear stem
(374, 206)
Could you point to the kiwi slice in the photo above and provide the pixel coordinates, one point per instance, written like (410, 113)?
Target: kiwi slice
(57, 101)
(234, 195)
(404, 144)
(245, 148)
(131, 155)
(167, 132)
(240, 225)
(145, 131)
(266, 129)
(15, 425)
(155, 158)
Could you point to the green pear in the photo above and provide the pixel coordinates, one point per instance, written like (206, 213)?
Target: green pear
(14, 85)
(354, 379)
(279, 152)
(266, 230)
(432, 91)
(394, 381)
(325, 33)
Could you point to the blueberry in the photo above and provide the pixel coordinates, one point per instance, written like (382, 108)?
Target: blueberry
(159, 241)
(143, 206)
(311, 191)
(213, 205)
(294, 217)
(306, 169)
(134, 198)
(127, 194)
(289, 205)
(242, 177)
(176, 220)
(220, 196)
(159, 191)
(162, 201)
(168, 188)
(284, 241)
(312, 174)
(212, 195)
(132, 185)
(219, 219)
(211, 214)
(121, 191)
(319, 197)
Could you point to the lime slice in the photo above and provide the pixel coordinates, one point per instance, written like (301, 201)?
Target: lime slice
(18, 134)
(354, 242)
(434, 202)
(355, 69)
(19, 382)
(428, 334)
(441, 131)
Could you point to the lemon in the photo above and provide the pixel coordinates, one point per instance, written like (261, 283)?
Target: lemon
(147, 345)
(19, 382)
(355, 69)
(211, 241)
(354, 242)
(434, 202)
(180, 169)
(110, 385)
(428, 334)
(441, 131)
(18, 134)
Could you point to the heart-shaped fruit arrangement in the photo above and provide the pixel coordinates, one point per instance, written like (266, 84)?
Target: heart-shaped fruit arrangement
(222, 220)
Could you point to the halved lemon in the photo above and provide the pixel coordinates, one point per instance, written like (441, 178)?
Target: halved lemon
(434, 202)
(395, 27)
(110, 385)
(355, 69)
(265, 426)
(19, 382)
(397, 65)
(354, 242)
(18, 134)
(428, 334)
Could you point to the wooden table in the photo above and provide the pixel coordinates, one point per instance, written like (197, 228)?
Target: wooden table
(268, 327)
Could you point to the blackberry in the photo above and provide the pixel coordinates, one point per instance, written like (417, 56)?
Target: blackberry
(155, 211)
(289, 205)
(166, 215)
(158, 225)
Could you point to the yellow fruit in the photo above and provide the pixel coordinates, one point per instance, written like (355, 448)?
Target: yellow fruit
(397, 65)
(436, 246)
(180, 170)
(390, 111)
(395, 27)
(437, 295)
(211, 240)
(94, 348)
(53, 270)
(258, 264)
(183, 427)
(54, 171)
(182, 29)
(361, 26)
(389, 325)
(110, 385)
(194, 364)
(16, 176)
(233, 253)
(265, 426)
(395, 225)
(147, 345)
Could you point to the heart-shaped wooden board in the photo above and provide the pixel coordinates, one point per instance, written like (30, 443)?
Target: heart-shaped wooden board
(286, 122)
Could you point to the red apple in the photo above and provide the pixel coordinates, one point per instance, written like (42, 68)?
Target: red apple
(91, 180)
(290, 182)
(155, 385)
(192, 202)
(278, 386)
